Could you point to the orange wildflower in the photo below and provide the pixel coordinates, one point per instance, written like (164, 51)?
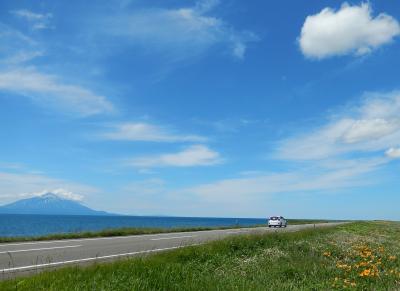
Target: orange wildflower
(365, 273)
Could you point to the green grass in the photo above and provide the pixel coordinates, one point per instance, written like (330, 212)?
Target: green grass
(315, 259)
(134, 231)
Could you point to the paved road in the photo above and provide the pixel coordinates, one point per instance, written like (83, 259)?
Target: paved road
(29, 257)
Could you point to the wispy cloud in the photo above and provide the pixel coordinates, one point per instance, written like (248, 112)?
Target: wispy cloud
(305, 179)
(16, 47)
(393, 153)
(22, 57)
(355, 142)
(258, 193)
(195, 155)
(49, 90)
(18, 77)
(228, 125)
(349, 30)
(37, 20)
(371, 126)
(140, 131)
(11, 166)
(181, 32)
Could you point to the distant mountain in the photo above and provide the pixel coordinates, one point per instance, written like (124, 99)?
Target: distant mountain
(48, 204)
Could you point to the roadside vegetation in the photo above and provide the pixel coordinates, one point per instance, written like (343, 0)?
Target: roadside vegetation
(310, 221)
(135, 231)
(355, 256)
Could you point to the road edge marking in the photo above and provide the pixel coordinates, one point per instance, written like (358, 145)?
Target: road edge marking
(172, 237)
(39, 249)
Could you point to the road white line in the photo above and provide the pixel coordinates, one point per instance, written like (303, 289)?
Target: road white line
(82, 239)
(54, 264)
(40, 249)
(172, 237)
(79, 239)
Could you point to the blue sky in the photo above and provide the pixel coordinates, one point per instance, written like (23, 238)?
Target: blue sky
(203, 108)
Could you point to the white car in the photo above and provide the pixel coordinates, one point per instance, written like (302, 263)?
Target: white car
(277, 221)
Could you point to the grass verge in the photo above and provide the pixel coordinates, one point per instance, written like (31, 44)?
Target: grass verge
(362, 255)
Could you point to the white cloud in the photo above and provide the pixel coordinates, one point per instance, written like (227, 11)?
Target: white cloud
(195, 155)
(181, 32)
(324, 158)
(22, 57)
(29, 15)
(12, 166)
(38, 21)
(139, 131)
(60, 193)
(367, 129)
(16, 76)
(48, 90)
(349, 30)
(393, 153)
(373, 125)
(239, 49)
(9, 35)
(257, 193)
(16, 47)
(305, 179)
(22, 185)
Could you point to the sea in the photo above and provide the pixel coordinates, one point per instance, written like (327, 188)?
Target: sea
(14, 225)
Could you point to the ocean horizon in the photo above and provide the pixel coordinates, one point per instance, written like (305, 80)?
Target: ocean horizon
(23, 225)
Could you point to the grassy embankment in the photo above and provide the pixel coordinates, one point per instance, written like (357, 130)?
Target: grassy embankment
(361, 255)
(134, 231)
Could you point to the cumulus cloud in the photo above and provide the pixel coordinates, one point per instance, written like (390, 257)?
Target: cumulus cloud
(48, 90)
(349, 30)
(18, 185)
(38, 21)
(140, 131)
(182, 32)
(195, 155)
(62, 193)
(393, 153)
(370, 126)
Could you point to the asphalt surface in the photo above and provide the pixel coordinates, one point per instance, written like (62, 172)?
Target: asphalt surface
(25, 258)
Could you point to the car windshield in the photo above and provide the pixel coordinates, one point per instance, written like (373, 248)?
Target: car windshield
(274, 218)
